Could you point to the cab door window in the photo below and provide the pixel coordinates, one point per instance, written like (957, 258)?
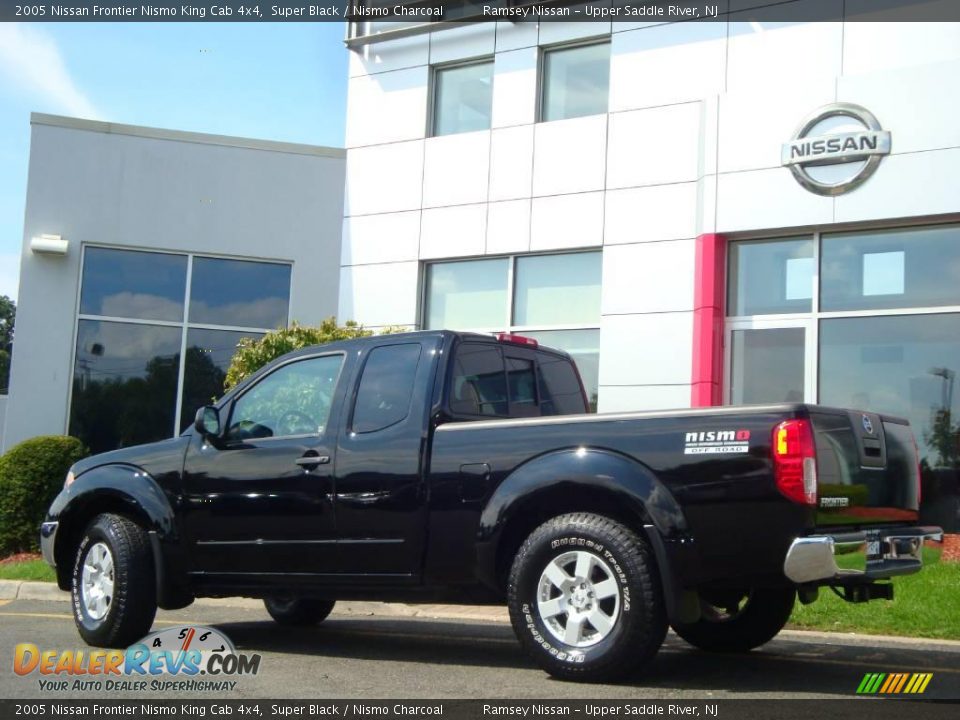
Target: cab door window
(479, 381)
(294, 400)
(386, 387)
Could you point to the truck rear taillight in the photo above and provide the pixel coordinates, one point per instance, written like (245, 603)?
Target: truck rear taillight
(517, 339)
(795, 461)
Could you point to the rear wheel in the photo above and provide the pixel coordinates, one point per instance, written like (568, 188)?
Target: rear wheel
(737, 621)
(298, 611)
(113, 586)
(585, 598)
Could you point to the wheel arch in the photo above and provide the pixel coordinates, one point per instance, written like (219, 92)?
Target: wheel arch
(572, 480)
(132, 493)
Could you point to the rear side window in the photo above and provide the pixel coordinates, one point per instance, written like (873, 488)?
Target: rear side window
(479, 381)
(386, 387)
(560, 392)
(522, 382)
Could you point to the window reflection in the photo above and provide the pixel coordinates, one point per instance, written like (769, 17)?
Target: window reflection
(239, 293)
(767, 366)
(463, 98)
(208, 357)
(771, 277)
(575, 81)
(133, 284)
(124, 383)
(467, 294)
(557, 289)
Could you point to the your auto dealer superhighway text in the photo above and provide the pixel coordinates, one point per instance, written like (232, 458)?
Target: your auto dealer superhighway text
(595, 710)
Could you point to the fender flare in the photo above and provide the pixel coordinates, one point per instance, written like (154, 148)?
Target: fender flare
(131, 490)
(660, 518)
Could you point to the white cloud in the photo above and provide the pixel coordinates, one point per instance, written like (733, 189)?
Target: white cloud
(29, 57)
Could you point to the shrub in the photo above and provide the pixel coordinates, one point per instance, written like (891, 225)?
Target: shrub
(253, 354)
(31, 475)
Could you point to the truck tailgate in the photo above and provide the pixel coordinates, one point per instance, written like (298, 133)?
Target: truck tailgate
(867, 470)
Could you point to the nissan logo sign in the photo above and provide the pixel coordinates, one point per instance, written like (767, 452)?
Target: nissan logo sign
(836, 149)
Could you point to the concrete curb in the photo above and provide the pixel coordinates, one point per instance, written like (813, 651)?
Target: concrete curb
(49, 592)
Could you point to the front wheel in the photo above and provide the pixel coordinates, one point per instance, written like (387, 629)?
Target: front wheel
(737, 621)
(298, 611)
(113, 585)
(585, 598)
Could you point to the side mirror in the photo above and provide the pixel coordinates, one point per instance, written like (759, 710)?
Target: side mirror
(207, 422)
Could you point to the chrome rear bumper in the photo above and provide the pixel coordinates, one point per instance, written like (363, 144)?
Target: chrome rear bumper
(883, 553)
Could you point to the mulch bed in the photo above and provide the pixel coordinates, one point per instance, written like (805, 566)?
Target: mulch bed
(20, 557)
(951, 548)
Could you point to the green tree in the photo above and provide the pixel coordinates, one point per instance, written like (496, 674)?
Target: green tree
(253, 354)
(8, 313)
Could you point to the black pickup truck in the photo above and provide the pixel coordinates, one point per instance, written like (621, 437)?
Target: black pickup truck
(464, 468)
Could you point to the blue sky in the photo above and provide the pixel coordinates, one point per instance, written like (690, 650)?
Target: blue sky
(279, 81)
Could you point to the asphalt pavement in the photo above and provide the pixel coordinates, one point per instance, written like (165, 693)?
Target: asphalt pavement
(386, 655)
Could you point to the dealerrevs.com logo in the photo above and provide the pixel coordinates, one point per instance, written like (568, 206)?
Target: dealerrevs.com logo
(716, 442)
(169, 660)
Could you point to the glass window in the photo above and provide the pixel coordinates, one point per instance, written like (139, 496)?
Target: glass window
(386, 387)
(575, 81)
(133, 284)
(124, 383)
(294, 399)
(557, 289)
(771, 277)
(207, 359)
(919, 267)
(239, 293)
(559, 387)
(479, 382)
(584, 348)
(522, 384)
(462, 98)
(767, 366)
(902, 365)
(467, 294)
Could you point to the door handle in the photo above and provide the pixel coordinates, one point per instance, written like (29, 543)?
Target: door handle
(311, 461)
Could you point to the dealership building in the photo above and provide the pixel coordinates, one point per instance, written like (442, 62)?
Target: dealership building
(701, 213)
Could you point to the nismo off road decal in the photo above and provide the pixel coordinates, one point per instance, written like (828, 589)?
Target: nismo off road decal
(716, 442)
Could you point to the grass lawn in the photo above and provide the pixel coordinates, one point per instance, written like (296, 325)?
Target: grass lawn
(26, 568)
(925, 605)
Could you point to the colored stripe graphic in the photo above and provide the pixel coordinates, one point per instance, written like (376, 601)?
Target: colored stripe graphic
(894, 683)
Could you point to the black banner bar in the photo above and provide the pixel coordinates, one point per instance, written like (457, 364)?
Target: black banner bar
(638, 709)
(384, 12)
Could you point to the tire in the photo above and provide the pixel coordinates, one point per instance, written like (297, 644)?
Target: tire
(298, 611)
(113, 586)
(579, 567)
(741, 621)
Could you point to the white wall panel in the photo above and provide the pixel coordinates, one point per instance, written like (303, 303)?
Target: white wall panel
(384, 178)
(872, 46)
(511, 35)
(656, 146)
(390, 55)
(637, 398)
(508, 227)
(906, 185)
(381, 238)
(453, 231)
(569, 155)
(706, 205)
(657, 212)
(767, 199)
(456, 169)
(786, 54)
(567, 221)
(911, 103)
(515, 88)
(648, 277)
(511, 163)
(754, 126)
(654, 349)
(400, 96)
(379, 294)
(667, 64)
(468, 41)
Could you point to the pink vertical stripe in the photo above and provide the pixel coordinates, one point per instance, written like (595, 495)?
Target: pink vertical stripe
(708, 311)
